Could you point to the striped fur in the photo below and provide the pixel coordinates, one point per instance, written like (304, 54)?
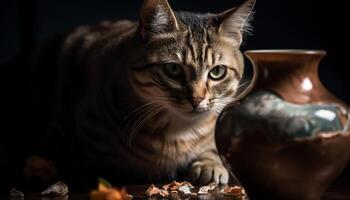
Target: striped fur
(117, 109)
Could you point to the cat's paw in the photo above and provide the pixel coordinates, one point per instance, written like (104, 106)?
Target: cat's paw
(204, 172)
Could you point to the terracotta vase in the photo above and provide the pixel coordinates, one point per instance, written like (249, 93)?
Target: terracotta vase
(289, 138)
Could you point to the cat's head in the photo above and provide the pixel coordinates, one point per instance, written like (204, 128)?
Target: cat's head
(193, 64)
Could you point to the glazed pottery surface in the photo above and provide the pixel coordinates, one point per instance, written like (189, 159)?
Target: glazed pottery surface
(290, 137)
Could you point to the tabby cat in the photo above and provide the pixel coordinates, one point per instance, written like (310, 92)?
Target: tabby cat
(139, 101)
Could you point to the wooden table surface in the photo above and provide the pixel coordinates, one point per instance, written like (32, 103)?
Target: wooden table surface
(138, 192)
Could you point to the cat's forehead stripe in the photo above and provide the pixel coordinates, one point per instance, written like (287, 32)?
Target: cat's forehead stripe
(199, 47)
(204, 48)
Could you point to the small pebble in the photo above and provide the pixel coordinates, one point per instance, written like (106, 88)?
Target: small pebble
(185, 189)
(16, 193)
(57, 189)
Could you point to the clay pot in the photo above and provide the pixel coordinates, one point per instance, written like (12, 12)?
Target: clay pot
(289, 138)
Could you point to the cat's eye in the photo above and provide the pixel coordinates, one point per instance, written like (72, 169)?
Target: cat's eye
(218, 72)
(173, 70)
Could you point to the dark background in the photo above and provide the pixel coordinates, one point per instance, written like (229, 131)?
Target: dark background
(301, 24)
(291, 24)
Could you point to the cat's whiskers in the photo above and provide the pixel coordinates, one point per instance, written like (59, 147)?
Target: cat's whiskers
(142, 121)
(138, 115)
(138, 109)
(143, 108)
(243, 84)
(147, 112)
(220, 104)
(170, 99)
(135, 125)
(128, 118)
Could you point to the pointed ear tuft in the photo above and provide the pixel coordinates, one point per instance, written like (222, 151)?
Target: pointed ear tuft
(156, 17)
(235, 21)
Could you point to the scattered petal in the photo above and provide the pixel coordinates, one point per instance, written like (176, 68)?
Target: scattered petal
(16, 193)
(207, 188)
(57, 189)
(152, 190)
(233, 190)
(163, 193)
(105, 191)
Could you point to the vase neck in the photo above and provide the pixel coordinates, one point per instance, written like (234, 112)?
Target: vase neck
(307, 62)
(293, 75)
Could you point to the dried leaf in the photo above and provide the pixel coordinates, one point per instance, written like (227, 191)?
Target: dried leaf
(57, 189)
(16, 193)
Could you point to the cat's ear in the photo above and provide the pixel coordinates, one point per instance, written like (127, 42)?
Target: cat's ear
(156, 17)
(235, 21)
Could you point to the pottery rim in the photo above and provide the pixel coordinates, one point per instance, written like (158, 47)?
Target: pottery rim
(286, 51)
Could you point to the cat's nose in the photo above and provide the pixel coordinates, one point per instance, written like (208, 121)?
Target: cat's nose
(195, 101)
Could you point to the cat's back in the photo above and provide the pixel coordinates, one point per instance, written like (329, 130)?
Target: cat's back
(103, 33)
(59, 65)
(66, 50)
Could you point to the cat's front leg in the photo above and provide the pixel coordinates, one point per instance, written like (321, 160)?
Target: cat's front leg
(208, 168)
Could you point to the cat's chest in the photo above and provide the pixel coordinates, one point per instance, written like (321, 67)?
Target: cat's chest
(185, 140)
